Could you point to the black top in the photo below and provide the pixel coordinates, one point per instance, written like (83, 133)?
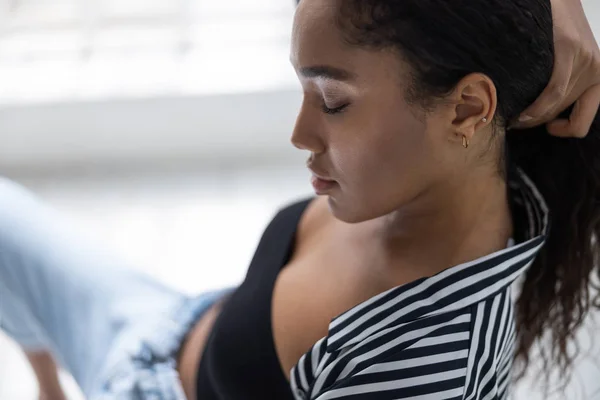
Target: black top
(240, 360)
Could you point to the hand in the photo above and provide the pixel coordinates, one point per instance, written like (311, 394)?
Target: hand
(576, 76)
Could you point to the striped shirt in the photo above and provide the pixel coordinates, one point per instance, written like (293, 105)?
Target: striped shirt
(449, 336)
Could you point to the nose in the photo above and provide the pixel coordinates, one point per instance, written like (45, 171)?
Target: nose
(306, 132)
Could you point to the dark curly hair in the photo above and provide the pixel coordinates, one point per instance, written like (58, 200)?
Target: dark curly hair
(510, 41)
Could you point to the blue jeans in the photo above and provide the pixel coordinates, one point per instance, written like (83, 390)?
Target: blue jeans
(114, 329)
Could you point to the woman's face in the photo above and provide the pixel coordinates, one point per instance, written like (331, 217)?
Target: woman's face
(382, 153)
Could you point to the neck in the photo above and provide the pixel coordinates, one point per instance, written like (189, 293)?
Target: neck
(459, 222)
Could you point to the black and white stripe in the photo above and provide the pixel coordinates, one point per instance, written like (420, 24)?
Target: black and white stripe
(449, 336)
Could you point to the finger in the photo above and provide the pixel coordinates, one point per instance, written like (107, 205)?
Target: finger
(581, 119)
(552, 96)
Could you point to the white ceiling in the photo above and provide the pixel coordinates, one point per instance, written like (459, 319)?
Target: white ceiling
(70, 50)
(60, 50)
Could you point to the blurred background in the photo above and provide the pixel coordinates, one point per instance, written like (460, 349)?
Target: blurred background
(161, 128)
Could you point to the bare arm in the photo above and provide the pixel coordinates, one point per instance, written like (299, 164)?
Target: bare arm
(576, 77)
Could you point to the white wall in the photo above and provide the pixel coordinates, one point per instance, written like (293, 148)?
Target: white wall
(203, 127)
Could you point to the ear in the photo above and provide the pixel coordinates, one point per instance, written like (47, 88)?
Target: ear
(474, 100)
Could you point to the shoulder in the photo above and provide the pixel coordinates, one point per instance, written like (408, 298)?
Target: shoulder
(301, 220)
(315, 216)
(314, 225)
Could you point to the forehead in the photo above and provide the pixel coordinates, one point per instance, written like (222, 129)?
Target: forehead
(316, 36)
(317, 40)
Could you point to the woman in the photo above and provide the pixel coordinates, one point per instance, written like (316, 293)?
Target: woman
(396, 282)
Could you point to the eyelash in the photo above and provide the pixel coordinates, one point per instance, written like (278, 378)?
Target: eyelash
(333, 111)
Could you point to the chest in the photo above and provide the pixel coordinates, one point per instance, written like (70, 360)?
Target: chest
(326, 276)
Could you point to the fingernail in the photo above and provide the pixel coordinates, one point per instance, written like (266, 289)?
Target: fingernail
(525, 118)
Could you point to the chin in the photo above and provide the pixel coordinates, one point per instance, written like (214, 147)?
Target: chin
(347, 213)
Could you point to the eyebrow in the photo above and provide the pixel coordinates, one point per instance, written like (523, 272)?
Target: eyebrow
(324, 71)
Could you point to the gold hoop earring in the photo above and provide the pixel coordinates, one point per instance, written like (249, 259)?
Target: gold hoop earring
(465, 142)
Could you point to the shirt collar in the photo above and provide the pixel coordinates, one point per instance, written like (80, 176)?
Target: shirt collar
(456, 287)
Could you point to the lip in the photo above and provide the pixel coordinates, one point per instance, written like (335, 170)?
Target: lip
(322, 186)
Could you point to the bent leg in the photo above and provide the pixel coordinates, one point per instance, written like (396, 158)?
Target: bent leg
(60, 294)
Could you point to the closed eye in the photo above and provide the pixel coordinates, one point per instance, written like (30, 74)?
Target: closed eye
(332, 111)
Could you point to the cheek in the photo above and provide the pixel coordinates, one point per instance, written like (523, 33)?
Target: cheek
(395, 161)
(399, 151)
(383, 165)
